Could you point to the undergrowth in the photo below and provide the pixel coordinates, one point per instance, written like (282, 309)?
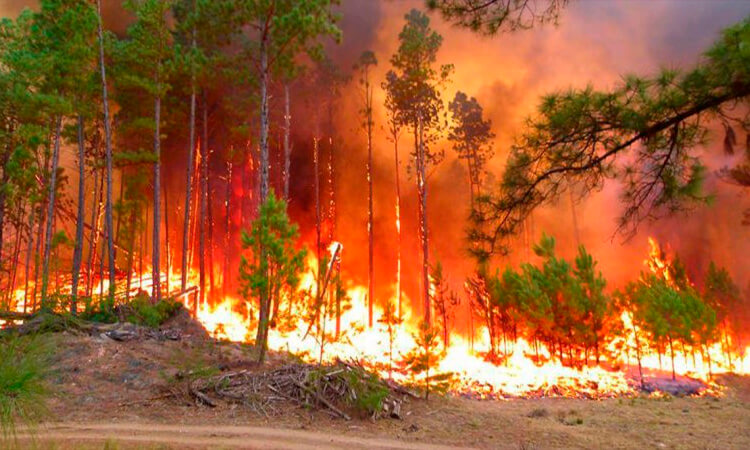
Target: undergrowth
(24, 365)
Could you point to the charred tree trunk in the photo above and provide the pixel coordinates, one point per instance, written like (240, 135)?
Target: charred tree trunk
(189, 183)
(422, 188)
(398, 221)
(78, 251)
(50, 211)
(370, 238)
(203, 193)
(108, 146)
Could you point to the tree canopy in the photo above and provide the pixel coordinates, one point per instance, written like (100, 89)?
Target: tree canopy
(644, 133)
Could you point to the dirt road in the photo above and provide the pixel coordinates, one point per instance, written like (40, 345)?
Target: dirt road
(144, 435)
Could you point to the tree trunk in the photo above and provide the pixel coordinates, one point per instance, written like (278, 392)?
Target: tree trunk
(189, 184)
(227, 224)
(260, 340)
(371, 249)
(95, 231)
(50, 211)
(167, 248)
(78, 251)
(422, 187)
(203, 193)
(108, 145)
(29, 251)
(398, 222)
(287, 144)
(3, 195)
(156, 241)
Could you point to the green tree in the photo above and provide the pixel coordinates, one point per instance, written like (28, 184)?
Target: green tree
(147, 53)
(723, 296)
(275, 264)
(657, 121)
(425, 358)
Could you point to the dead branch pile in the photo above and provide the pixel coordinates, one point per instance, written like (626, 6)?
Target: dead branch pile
(339, 389)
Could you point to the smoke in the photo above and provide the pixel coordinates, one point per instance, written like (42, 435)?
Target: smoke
(596, 43)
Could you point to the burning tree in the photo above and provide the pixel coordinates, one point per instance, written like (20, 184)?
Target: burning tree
(444, 301)
(414, 86)
(366, 61)
(471, 136)
(272, 273)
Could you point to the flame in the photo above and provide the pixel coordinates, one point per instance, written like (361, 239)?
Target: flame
(524, 370)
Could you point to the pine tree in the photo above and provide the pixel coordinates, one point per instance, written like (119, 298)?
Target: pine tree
(275, 265)
(414, 85)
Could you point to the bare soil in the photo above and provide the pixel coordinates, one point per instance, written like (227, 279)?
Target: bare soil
(110, 394)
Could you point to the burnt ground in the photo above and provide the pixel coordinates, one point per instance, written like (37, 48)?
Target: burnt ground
(113, 394)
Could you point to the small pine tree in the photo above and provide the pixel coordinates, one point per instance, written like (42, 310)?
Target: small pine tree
(424, 359)
(277, 273)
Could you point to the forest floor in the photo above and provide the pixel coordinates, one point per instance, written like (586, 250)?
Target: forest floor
(110, 394)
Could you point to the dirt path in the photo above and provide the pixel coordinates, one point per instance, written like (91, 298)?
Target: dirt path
(77, 435)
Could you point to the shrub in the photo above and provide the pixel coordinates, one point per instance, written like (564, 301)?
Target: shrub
(23, 369)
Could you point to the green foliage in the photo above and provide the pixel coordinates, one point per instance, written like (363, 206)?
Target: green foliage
(273, 270)
(102, 311)
(141, 311)
(669, 314)
(560, 304)
(422, 362)
(369, 390)
(24, 365)
(658, 121)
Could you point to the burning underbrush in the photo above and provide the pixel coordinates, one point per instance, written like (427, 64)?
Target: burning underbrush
(504, 357)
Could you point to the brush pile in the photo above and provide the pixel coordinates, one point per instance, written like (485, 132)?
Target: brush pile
(340, 389)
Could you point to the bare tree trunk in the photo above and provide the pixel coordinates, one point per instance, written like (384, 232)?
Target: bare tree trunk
(370, 237)
(78, 251)
(166, 238)
(227, 225)
(108, 145)
(156, 271)
(398, 220)
(287, 144)
(95, 229)
(203, 193)
(189, 183)
(29, 251)
(50, 211)
(260, 340)
(131, 252)
(422, 188)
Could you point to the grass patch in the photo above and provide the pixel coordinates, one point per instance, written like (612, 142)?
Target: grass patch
(24, 363)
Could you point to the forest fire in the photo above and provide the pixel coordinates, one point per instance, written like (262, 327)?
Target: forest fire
(358, 224)
(523, 371)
